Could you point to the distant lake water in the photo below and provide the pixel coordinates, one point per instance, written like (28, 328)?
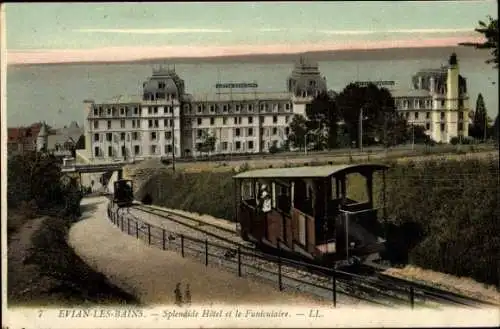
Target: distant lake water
(55, 93)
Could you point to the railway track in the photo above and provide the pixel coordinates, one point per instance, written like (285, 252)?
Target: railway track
(435, 294)
(216, 231)
(374, 287)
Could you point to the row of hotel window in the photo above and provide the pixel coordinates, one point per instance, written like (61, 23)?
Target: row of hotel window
(200, 108)
(155, 123)
(442, 126)
(137, 150)
(248, 132)
(126, 111)
(422, 104)
(154, 149)
(154, 135)
(428, 115)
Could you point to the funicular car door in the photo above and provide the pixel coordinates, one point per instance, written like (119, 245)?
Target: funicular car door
(283, 205)
(250, 217)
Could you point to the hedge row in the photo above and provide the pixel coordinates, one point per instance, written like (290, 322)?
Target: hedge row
(205, 193)
(454, 205)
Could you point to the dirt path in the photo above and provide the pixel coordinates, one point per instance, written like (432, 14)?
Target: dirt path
(151, 274)
(21, 276)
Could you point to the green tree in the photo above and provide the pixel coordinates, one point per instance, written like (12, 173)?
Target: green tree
(379, 113)
(490, 32)
(479, 127)
(298, 131)
(323, 115)
(80, 144)
(494, 130)
(34, 176)
(416, 133)
(207, 145)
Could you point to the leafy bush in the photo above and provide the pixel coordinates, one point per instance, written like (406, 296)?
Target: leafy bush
(165, 161)
(37, 178)
(462, 140)
(454, 140)
(205, 192)
(273, 149)
(455, 203)
(244, 167)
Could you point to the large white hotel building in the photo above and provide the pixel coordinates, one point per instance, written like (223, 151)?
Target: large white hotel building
(438, 101)
(167, 120)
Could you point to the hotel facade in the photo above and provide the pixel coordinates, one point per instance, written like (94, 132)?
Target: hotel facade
(166, 121)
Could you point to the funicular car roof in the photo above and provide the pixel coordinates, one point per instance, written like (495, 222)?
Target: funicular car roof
(309, 171)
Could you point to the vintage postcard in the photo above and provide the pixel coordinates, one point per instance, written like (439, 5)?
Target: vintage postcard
(250, 164)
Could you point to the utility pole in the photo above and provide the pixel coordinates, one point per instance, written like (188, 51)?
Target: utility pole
(412, 137)
(361, 130)
(305, 144)
(485, 124)
(173, 135)
(132, 155)
(385, 130)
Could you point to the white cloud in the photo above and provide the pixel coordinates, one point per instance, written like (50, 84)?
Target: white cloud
(153, 31)
(271, 29)
(366, 32)
(409, 31)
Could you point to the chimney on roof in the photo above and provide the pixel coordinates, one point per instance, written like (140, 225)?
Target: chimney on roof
(453, 60)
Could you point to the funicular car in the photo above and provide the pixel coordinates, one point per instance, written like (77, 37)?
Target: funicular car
(123, 195)
(314, 213)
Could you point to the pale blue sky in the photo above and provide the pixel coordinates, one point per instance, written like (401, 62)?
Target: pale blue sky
(60, 25)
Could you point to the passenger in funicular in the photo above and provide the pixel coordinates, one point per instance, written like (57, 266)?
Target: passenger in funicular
(265, 199)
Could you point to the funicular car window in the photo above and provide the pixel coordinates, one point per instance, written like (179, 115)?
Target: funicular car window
(246, 190)
(282, 196)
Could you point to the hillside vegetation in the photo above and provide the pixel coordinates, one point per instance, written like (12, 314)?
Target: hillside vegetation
(43, 269)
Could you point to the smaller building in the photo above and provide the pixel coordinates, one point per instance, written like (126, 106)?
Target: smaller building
(22, 139)
(60, 142)
(64, 140)
(438, 101)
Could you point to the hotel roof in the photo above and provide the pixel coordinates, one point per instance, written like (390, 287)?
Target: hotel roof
(205, 97)
(410, 93)
(122, 99)
(238, 97)
(441, 70)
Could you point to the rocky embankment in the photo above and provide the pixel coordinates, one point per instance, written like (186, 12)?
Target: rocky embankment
(140, 173)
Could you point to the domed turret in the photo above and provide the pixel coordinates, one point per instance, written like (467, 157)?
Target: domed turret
(306, 79)
(163, 84)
